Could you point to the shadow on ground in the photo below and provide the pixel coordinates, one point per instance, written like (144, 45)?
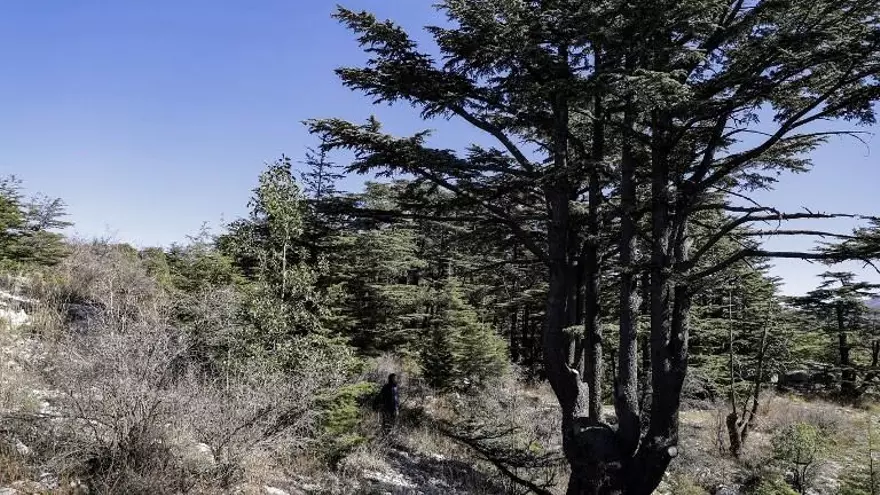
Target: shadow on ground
(414, 474)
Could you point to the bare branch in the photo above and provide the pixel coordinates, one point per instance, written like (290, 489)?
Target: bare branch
(475, 445)
(759, 253)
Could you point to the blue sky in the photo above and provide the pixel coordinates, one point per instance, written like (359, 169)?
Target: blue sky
(150, 118)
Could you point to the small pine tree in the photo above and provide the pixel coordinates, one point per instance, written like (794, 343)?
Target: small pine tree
(483, 353)
(461, 351)
(439, 358)
(320, 177)
(28, 228)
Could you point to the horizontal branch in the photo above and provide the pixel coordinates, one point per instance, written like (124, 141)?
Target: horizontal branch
(727, 230)
(493, 459)
(787, 232)
(392, 214)
(760, 253)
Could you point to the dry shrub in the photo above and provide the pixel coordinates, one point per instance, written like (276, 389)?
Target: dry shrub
(703, 458)
(137, 411)
(117, 396)
(367, 457)
(98, 280)
(17, 381)
(136, 415)
(681, 484)
(255, 411)
(511, 426)
(781, 412)
(13, 466)
(407, 370)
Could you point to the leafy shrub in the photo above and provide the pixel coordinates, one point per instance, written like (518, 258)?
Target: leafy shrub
(799, 449)
(341, 416)
(774, 485)
(684, 485)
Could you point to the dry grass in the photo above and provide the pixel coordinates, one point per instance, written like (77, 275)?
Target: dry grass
(705, 462)
(13, 466)
(131, 411)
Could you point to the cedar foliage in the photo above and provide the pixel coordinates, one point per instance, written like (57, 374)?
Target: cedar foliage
(29, 227)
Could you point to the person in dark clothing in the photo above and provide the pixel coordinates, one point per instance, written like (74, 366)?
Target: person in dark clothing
(389, 403)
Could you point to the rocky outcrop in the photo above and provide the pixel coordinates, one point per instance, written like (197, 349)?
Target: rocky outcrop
(14, 309)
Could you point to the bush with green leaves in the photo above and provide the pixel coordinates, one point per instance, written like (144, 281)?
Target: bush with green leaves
(774, 485)
(798, 450)
(342, 413)
(863, 478)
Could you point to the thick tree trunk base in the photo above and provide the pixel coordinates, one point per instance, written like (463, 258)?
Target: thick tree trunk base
(599, 468)
(584, 485)
(596, 463)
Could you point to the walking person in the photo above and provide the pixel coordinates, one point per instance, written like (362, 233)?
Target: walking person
(389, 403)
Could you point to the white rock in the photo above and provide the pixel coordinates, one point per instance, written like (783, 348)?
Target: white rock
(7, 299)
(393, 479)
(9, 491)
(22, 449)
(14, 318)
(271, 490)
(200, 453)
(77, 486)
(49, 480)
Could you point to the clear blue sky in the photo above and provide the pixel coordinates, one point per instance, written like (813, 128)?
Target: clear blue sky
(150, 118)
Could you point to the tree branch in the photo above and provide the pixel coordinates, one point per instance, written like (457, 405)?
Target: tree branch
(759, 253)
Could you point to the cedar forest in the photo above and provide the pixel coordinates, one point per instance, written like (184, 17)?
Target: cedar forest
(607, 244)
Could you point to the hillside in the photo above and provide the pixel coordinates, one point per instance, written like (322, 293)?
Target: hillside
(48, 442)
(562, 273)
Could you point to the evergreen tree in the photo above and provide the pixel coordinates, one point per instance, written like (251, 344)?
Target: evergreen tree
(156, 262)
(280, 299)
(459, 350)
(839, 304)
(320, 176)
(197, 265)
(864, 244)
(380, 303)
(12, 222)
(438, 358)
(28, 227)
(644, 106)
